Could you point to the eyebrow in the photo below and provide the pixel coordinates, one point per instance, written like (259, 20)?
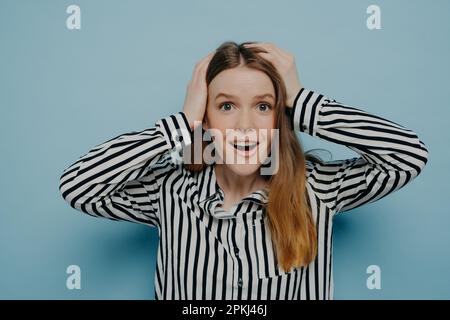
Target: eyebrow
(230, 96)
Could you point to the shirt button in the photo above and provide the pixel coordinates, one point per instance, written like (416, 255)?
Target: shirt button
(236, 250)
(240, 282)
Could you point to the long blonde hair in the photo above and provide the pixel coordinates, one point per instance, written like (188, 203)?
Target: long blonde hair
(290, 222)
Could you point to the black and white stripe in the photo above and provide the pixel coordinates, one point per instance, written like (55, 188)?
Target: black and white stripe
(208, 253)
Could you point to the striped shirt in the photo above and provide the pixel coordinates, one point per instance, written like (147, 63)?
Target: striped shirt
(206, 252)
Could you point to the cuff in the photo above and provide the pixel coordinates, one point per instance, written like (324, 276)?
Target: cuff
(176, 130)
(306, 108)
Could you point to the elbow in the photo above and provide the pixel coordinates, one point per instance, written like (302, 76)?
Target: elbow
(73, 192)
(65, 190)
(66, 195)
(423, 156)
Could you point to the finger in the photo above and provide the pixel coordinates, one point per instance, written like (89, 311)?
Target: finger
(265, 46)
(272, 54)
(198, 67)
(267, 56)
(253, 44)
(277, 58)
(271, 48)
(207, 58)
(279, 53)
(206, 61)
(203, 64)
(201, 67)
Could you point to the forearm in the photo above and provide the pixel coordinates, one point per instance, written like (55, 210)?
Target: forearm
(378, 140)
(107, 167)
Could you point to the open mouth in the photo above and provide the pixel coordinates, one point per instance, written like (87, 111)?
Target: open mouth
(246, 148)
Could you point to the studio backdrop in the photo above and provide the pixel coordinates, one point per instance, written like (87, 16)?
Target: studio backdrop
(74, 74)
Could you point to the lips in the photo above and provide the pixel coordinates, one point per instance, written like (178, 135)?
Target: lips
(246, 148)
(242, 146)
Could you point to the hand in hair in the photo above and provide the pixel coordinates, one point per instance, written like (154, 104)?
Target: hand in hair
(197, 92)
(284, 62)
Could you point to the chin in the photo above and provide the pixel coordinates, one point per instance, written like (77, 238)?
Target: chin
(244, 169)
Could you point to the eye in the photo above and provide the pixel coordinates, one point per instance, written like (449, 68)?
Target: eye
(226, 106)
(264, 107)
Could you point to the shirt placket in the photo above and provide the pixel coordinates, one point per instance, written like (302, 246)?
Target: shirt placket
(238, 258)
(236, 240)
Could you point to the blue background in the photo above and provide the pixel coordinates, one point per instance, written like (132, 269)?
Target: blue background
(64, 91)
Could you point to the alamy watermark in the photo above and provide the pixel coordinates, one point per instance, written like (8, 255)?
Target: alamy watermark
(260, 146)
(73, 22)
(73, 281)
(373, 22)
(374, 280)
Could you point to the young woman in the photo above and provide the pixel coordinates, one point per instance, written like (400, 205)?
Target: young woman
(226, 230)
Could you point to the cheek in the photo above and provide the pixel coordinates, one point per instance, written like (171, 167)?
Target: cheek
(271, 140)
(219, 140)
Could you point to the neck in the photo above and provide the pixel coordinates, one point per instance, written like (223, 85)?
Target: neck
(236, 186)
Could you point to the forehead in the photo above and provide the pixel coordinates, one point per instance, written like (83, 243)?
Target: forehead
(242, 82)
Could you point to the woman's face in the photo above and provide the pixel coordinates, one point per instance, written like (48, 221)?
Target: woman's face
(241, 117)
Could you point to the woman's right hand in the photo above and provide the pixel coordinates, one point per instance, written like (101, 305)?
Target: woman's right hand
(197, 93)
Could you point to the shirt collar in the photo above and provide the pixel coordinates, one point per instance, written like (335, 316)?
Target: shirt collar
(209, 188)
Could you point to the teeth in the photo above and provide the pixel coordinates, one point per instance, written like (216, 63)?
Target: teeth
(245, 146)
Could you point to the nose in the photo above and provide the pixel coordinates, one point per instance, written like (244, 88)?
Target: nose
(245, 121)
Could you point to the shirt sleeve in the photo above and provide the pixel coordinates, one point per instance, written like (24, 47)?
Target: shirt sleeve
(390, 155)
(120, 178)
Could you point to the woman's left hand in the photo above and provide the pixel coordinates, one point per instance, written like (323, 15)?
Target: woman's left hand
(284, 62)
